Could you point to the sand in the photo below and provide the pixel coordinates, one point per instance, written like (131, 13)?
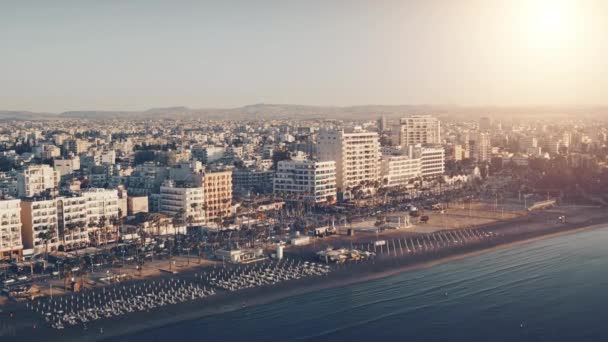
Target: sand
(514, 232)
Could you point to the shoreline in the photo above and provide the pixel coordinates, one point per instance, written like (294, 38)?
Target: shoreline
(384, 266)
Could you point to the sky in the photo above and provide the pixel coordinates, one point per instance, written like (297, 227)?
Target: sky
(133, 55)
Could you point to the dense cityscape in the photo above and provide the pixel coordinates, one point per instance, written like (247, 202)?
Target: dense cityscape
(67, 188)
(102, 202)
(323, 171)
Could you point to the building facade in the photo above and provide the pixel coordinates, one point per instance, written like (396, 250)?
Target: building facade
(432, 161)
(306, 180)
(72, 221)
(102, 211)
(184, 202)
(218, 195)
(244, 180)
(11, 245)
(357, 156)
(399, 170)
(35, 180)
(419, 129)
(66, 166)
(483, 148)
(39, 224)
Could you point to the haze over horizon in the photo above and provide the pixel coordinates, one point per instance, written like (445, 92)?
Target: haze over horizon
(134, 55)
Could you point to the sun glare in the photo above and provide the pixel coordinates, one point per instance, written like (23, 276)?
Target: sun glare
(551, 23)
(551, 19)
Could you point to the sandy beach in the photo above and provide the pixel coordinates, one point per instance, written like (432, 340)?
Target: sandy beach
(16, 323)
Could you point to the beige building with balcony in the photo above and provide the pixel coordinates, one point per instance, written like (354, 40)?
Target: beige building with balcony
(357, 156)
(102, 207)
(307, 180)
(11, 245)
(182, 200)
(432, 161)
(399, 170)
(34, 180)
(419, 129)
(39, 224)
(217, 188)
(72, 221)
(66, 166)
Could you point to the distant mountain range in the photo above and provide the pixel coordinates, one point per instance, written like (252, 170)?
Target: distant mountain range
(281, 111)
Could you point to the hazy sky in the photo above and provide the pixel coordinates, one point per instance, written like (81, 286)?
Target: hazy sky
(69, 55)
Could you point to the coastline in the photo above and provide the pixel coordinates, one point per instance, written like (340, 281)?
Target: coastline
(343, 276)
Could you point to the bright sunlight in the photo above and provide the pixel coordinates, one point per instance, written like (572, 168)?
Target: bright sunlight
(552, 23)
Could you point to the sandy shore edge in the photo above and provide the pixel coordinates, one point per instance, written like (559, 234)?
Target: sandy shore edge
(123, 327)
(300, 290)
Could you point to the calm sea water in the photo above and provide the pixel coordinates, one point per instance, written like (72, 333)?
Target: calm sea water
(551, 290)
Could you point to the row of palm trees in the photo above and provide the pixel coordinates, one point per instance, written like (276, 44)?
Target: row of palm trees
(99, 232)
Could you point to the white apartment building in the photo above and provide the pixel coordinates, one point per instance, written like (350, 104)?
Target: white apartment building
(357, 156)
(72, 221)
(307, 180)
(432, 161)
(58, 139)
(101, 202)
(102, 207)
(419, 129)
(39, 224)
(189, 172)
(483, 147)
(36, 179)
(185, 200)
(46, 151)
(459, 152)
(76, 146)
(66, 166)
(398, 170)
(207, 154)
(11, 245)
(108, 157)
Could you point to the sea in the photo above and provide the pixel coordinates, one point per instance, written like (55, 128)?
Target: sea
(548, 290)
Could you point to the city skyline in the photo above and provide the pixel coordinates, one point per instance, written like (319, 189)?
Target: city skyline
(343, 170)
(137, 55)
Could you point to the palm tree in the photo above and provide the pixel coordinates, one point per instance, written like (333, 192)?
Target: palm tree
(94, 232)
(179, 216)
(157, 223)
(349, 220)
(68, 229)
(441, 182)
(81, 225)
(199, 249)
(143, 235)
(102, 225)
(115, 222)
(195, 207)
(47, 236)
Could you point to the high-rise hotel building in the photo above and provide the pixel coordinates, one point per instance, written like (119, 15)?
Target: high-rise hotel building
(306, 180)
(419, 129)
(217, 188)
(356, 153)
